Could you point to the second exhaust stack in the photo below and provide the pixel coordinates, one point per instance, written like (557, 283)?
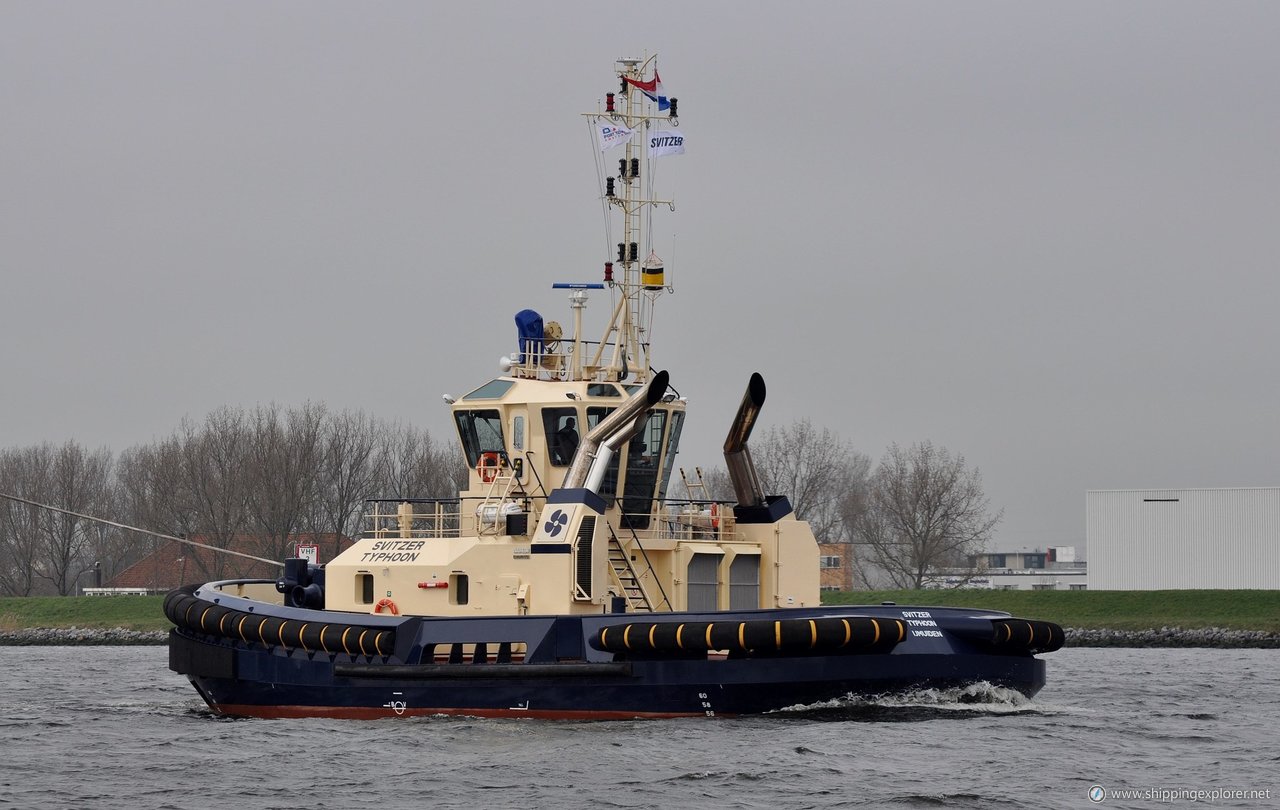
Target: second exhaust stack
(742, 470)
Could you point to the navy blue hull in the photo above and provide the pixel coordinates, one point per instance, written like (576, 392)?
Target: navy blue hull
(564, 669)
(647, 689)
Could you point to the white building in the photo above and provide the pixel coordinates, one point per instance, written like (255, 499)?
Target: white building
(1155, 539)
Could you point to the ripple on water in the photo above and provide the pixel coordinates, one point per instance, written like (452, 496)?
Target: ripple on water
(136, 734)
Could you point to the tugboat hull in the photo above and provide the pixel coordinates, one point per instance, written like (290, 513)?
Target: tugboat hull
(456, 666)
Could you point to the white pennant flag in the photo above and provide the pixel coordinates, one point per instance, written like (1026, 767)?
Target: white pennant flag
(670, 142)
(612, 135)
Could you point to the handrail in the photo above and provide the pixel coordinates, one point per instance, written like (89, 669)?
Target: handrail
(657, 579)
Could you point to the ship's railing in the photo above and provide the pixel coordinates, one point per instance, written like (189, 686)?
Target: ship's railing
(692, 521)
(427, 518)
(554, 360)
(412, 517)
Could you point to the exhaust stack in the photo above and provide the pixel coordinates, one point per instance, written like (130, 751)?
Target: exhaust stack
(599, 445)
(742, 470)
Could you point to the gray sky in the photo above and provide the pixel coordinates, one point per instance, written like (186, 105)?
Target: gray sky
(1040, 235)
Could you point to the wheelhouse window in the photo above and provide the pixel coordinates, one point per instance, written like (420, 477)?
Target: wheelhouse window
(673, 447)
(517, 433)
(643, 456)
(480, 432)
(609, 486)
(562, 430)
(494, 389)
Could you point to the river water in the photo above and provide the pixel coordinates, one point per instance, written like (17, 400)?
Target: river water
(109, 727)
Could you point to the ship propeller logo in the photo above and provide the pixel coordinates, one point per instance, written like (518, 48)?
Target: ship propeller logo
(556, 523)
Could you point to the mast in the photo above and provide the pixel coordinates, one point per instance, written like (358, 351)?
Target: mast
(634, 273)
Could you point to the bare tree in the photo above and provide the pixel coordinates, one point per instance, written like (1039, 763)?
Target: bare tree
(155, 489)
(79, 481)
(821, 474)
(272, 473)
(350, 457)
(23, 474)
(414, 466)
(214, 459)
(284, 457)
(926, 511)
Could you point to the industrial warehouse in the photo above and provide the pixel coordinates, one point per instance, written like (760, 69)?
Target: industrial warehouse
(1161, 539)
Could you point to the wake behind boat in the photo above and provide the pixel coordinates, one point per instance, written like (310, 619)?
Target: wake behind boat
(563, 582)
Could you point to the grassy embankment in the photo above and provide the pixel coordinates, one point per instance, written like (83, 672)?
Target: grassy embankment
(1117, 610)
(128, 612)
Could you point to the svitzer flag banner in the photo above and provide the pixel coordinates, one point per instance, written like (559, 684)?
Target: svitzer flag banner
(670, 142)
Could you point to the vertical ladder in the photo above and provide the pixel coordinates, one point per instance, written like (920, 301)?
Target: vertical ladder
(696, 491)
(625, 575)
(504, 487)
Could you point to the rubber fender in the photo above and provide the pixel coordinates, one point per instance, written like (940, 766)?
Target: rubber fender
(795, 636)
(269, 631)
(1027, 634)
(192, 613)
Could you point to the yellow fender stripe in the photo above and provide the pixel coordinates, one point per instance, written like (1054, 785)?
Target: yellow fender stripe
(1032, 631)
(261, 624)
(709, 626)
(876, 637)
(240, 627)
(777, 634)
(377, 642)
(345, 648)
(225, 616)
(202, 615)
(651, 631)
(280, 632)
(323, 646)
(363, 633)
(742, 643)
(902, 630)
(626, 637)
(848, 632)
(302, 630)
(679, 633)
(813, 634)
(1008, 632)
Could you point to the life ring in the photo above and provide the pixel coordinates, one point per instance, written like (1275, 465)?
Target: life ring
(715, 516)
(488, 467)
(389, 605)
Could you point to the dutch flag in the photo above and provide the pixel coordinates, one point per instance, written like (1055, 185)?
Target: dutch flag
(652, 89)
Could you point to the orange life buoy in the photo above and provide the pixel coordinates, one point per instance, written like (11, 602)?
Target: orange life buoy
(389, 605)
(488, 467)
(715, 515)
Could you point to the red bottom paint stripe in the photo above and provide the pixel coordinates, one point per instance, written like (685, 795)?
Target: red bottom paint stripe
(369, 713)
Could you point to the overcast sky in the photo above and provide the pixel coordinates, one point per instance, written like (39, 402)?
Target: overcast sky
(1043, 236)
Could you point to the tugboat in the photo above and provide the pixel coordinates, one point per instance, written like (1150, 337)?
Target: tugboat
(563, 582)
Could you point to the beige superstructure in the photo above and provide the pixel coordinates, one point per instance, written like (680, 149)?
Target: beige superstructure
(571, 453)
